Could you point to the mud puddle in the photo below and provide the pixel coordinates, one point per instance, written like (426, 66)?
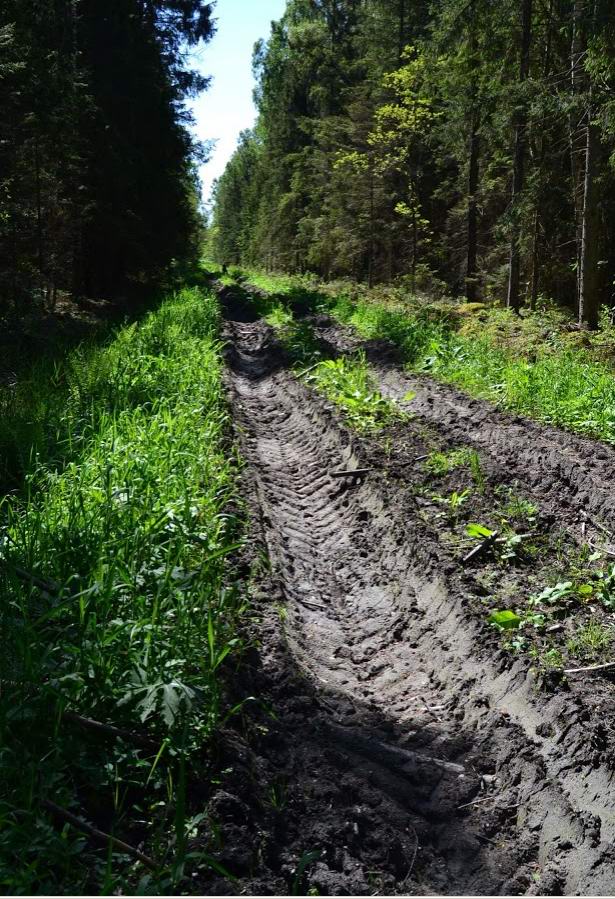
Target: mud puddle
(395, 748)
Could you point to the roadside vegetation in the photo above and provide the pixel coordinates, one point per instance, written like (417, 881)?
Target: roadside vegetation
(119, 608)
(532, 364)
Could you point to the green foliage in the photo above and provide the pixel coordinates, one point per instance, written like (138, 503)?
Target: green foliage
(347, 382)
(94, 201)
(441, 463)
(505, 620)
(591, 643)
(126, 613)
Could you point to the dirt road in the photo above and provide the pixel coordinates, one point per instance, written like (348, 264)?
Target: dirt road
(407, 753)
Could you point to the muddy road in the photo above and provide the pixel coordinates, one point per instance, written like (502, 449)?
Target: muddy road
(396, 748)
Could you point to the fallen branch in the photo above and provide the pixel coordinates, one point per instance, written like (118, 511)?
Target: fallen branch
(478, 550)
(312, 605)
(478, 801)
(109, 730)
(42, 584)
(595, 523)
(306, 371)
(522, 536)
(356, 472)
(99, 836)
(606, 551)
(589, 668)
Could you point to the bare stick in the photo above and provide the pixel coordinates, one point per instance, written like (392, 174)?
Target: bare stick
(522, 536)
(478, 801)
(589, 668)
(595, 523)
(109, 729)
(306, 371)
(357, 472)
(478, 550)
(312, 605)
(47, 586)
(98, 835)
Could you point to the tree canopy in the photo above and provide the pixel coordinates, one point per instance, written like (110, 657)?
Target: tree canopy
(462, 140)
(97, 165)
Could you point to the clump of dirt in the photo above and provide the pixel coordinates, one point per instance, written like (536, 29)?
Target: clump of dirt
(395, 747)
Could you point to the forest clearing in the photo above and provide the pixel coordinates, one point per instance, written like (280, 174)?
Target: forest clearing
(307, 519)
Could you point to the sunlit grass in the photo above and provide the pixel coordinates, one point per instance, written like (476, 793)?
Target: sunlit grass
(116, 599)
(349, 384)
(532, 366)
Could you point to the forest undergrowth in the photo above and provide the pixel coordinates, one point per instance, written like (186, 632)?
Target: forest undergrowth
(119, 606)
(533, 364)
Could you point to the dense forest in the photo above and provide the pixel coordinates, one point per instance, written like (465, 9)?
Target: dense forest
(463, 144)
(91, 117)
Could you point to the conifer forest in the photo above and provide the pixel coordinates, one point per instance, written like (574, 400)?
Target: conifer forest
(307, 503)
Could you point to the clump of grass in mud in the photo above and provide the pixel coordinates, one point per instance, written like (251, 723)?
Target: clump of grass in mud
(440, 463)
(348, 383)
(539, 625)
(591, 643)
(117, 606)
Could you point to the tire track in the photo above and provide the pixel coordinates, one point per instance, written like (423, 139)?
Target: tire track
(373, 625)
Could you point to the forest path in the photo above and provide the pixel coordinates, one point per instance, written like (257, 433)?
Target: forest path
(421, 762)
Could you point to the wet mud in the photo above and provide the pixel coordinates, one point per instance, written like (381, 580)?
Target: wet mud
(395, 748)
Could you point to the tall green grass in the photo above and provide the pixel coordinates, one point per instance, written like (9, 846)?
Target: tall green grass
(117, 603)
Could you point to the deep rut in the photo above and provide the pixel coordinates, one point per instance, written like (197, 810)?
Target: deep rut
(452, 785)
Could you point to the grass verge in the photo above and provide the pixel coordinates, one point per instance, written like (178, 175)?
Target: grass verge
(117, 608)
(535, 365)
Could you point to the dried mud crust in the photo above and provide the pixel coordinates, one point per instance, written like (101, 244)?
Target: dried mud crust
(406, 750)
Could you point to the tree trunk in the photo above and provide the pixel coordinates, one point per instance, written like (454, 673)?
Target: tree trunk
(402, 27)
(513, 298)
(370, 261)
(589, 269)
(473, 175)
(589, 280)
(546, 71)
(576, 149)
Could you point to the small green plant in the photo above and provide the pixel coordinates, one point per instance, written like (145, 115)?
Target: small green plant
(505, 619)
(457, 499)
(605, 588)
(308, 858)
(516, 508)
(548, 659)
(348, 383)
(277, 795)
(439, 463)
(592, 642)
(476, 469)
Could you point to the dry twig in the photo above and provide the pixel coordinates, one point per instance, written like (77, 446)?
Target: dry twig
(99, 836)
(356, 472)
(589, 668)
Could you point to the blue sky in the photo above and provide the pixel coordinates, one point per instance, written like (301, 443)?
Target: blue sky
(227, 108)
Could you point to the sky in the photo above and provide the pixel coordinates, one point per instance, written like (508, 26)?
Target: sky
(226, 108)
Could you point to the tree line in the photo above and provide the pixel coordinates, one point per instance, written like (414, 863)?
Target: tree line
(98, 187)
(461, 144)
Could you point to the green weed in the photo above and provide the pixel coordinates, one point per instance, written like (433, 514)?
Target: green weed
(552, 379)
(347, 382)
(438, 464)
(591, 643)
